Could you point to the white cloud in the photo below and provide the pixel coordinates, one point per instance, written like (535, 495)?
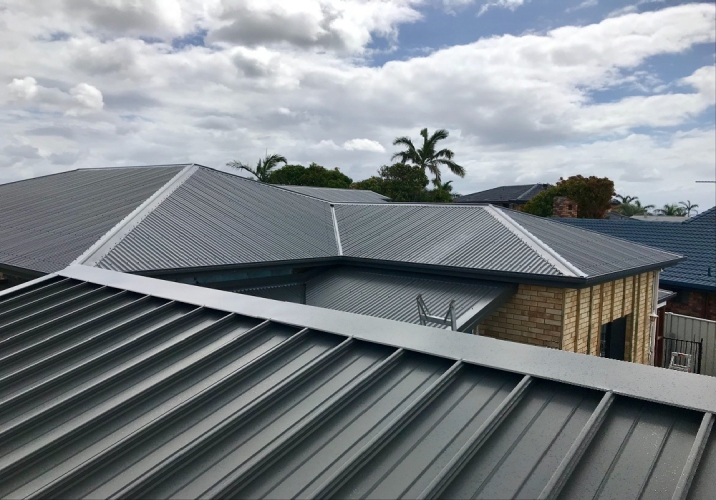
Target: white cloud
(363, 145)
(584, 5)
(502, 4)
(518, 107)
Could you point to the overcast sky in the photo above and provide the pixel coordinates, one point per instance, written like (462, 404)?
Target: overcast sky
(530, 90)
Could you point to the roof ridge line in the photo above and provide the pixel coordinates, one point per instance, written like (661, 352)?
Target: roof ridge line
(544, 250)
(111, 238)
(336, 231)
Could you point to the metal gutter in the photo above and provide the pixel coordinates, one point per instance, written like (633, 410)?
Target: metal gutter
(544, 250)
(106, 243)
(335, 229)
(644, 382)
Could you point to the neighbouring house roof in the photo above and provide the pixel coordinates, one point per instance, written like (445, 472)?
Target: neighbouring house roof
(665, 295)
(694, 238)
(504, 194)
(338, 195)
(204, 218)
(390, 295)
(47, 222)
(123, 385)
(660, 218)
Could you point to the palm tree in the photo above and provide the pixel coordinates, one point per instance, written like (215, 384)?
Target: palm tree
(263, 166)
(626, 199)
(428, 157)
(671, 209)
(635, 208)
(688, 207)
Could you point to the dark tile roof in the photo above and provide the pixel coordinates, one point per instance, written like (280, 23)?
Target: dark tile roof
(47, 222)
(336, 195)
(120, 385)
(694, 238)
(504, 194)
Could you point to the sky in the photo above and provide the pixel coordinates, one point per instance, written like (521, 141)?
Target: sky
(529, 90)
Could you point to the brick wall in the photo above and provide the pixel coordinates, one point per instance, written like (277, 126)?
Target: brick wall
(571, 319)
(564, 208)
(532, 316)
(700, 305)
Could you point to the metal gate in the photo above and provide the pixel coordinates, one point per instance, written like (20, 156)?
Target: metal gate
(697, 330)
(688, 347)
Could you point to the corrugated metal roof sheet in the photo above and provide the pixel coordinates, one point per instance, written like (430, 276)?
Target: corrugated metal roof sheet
(518, 193)
(694, 238)
(49, 221)
(390, 295)
(216, 219)
(120, 385)
(337, 195)
(595, 254)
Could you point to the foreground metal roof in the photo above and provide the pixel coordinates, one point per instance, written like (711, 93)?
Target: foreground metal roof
(116, 385)
(390, 295)
(204, 218)
(47, 222)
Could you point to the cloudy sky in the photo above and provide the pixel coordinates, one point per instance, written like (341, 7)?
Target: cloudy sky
(530, 90)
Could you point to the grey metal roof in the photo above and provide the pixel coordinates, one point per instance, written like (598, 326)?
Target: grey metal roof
(515, 194)
(665, 295)
(122, 385)
(695, 238)
(215, 218)
(49, 221)
(391, 295)
(337, 195)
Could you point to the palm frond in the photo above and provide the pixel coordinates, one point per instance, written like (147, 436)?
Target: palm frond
(454, 167)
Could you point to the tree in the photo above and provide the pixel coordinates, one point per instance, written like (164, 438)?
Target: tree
(688, 207)
(591, 194)
(399, 182)
(428, 157)
(442, 193)
(671, 209)
(635, 208)
(626, 199)
(263, 166)
(315, 175)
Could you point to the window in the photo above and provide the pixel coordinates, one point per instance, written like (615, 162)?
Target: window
(612, 339)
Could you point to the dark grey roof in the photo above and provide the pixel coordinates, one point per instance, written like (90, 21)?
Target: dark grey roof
(695, 238)
(504, 194)
(391, 295)
(215, 219)
(336, 195)
(121, 385)
(47, 222)
(203, 218)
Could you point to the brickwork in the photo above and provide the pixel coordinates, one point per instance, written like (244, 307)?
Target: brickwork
(532, 316)
(571, 319)
(564, 208)
(700, 305)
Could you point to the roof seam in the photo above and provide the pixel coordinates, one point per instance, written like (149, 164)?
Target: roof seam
(111, 238)
(544, 250)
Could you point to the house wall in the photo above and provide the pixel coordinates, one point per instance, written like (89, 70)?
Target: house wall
(571, 319)
(699, 305)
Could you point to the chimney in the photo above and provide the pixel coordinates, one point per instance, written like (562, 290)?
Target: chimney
(564, 208)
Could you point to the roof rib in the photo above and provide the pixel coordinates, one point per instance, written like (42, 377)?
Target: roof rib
(559, 262)
(106, 243)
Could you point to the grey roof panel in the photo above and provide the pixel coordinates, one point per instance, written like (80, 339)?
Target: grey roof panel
(695, 238)
(338, 195)
(393, 296)
(49, 221)
(130, 386)
(519, 193)
(216, 219)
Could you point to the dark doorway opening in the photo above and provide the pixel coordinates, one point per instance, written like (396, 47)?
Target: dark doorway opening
(613, 339)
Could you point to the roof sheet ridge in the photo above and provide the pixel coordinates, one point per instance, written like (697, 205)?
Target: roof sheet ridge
(111, 238)
(545, 251)
(336, 231)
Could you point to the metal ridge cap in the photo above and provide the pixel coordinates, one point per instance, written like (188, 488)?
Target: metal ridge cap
(336, 231)
(111, 238)
(545, 251)
(626, 379)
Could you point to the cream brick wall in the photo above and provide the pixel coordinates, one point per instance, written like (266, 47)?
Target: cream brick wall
(571, 319)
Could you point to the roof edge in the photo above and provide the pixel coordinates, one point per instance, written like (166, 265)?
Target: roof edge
(597, 373)
(111, 238)
(545, 251)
